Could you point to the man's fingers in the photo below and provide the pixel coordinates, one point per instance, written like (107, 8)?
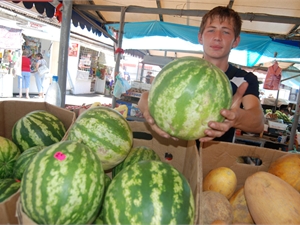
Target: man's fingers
(148, 117)
(159, 131)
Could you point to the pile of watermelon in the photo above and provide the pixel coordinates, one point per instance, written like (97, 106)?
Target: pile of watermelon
(65, 180)
(30, 134)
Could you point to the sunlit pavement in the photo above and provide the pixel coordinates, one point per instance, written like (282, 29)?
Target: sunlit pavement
(69, 99)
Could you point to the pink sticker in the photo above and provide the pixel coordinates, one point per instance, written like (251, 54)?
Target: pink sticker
(60, 156)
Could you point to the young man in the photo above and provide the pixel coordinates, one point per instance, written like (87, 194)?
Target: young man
(219, 33)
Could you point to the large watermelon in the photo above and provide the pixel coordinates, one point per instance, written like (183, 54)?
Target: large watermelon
(8, 187)
(63, 184)
(149, 192)
(106, 132)
(37, 128)
(24, 159)
(186, 94)
(135, 155)
(9, 153)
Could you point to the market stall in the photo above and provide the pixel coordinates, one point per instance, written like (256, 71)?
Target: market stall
(10, 58)
(32, 46)
(87, 69)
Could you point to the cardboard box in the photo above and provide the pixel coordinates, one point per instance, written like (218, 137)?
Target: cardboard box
(217, 154)
(8, 210)
(185, 158)
(276, 125)
(10, 113)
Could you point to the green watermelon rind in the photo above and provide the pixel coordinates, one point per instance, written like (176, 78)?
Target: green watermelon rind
(8, 187)
(187, 94)
(149, 192)
(136, 154)
(106, 132)
(63, 190)
(37, 128)
(23, 161)
(9, 153)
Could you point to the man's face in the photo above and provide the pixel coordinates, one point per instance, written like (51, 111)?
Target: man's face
(218, 38)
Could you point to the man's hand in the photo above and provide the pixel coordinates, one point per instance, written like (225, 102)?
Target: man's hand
(231, 116)
(143, 106)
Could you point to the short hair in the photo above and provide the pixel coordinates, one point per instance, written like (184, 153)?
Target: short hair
(223, 13)
(39, 55)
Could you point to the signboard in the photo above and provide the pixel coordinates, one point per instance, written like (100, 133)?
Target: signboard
(10, 38)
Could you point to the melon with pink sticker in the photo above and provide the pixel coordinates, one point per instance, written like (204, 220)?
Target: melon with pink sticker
(63, 184)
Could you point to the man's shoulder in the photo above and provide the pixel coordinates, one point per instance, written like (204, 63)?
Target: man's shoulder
(237, 72)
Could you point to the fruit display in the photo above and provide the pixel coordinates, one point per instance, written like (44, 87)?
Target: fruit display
(186, 94)
(63, 184)
(135, 155)
(37, 128)
(149, 192)
(106, 132)
(8, 187)
(271, 200)
(277, 115)
(9, 154)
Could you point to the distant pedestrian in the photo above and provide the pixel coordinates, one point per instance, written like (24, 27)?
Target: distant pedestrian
(39, 78)
(148, 77)
(24, 80)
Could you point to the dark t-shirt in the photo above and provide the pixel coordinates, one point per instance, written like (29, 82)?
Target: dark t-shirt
(237, 77)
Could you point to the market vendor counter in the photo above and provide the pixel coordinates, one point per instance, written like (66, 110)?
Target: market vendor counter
(264, 141)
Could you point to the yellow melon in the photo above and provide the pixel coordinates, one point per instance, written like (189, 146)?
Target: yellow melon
(222, 180)
(241, 214)
(218, 222)
(216, 207)
(271, 200)
(287, 168)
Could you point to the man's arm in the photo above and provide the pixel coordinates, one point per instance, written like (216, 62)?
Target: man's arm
(248, 119)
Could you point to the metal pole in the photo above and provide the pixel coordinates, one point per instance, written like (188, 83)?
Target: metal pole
(119, 45)
(276, 101)
(142, 72)
(64, 49)
(295, 124)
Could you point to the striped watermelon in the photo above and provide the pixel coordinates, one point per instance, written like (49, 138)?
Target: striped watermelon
(8, 187)
(106, 132)
(107, 181)
(135, 155)
(24, 159)
(37, 128)
(186, 94)
(149, 192)
(63, 184)
(9, 153)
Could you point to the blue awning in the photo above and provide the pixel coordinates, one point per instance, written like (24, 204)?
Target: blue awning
(256, 47)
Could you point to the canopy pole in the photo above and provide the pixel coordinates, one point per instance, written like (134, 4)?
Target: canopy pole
(64, 49)
(119, 46)
(295, 124)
